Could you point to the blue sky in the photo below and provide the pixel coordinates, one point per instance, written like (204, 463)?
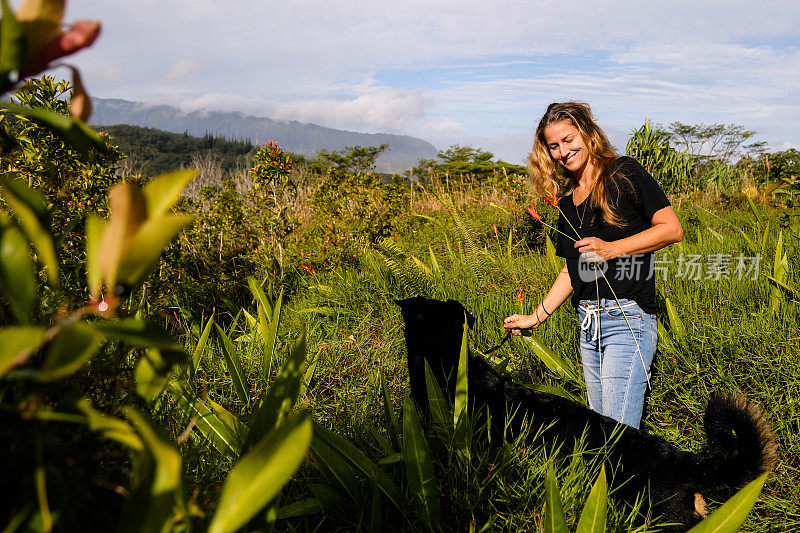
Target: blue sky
(456, 72)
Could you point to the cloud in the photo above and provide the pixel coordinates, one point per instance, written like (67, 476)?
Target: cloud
(182, 69)
(384, 110)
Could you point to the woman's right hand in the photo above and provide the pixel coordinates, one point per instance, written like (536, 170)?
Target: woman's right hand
(518, 323)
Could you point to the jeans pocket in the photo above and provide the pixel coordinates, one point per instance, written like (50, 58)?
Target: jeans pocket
(630, 312)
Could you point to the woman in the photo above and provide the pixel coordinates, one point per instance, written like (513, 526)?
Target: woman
(612, 217)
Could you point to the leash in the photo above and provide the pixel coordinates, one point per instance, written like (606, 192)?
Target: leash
(502, 342)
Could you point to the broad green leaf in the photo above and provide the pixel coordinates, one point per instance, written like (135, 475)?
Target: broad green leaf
(95, 226)
(549, 389)
(300, 508)
(128, 213)
(152, 373)
(137, 333)
(259, 295)
(388, 409)
(144, 249)
(436, 401)
(675, 322)
(201, 346)
(41, 21)
(234, 366)
(73, 345)
(753, 209)
(422, 266)
(550, 253)
(74, 132)
(593, 516)
(554, 521)
(209, 420)
(791, 290)
(716, 235)
(337, 469)
(29, 208)
(272, 335)
(163, 191)
(419, 469)
(17, 273)
(308, 376)
(550, 359)
(150, 507)
(17, 344)
(357, 459)
(460, 401)
(780, 268)
(434, 263)
(12, 43)
(110, 427)
(664, 340)
(283, 394)
(733, 512)
(261, 474)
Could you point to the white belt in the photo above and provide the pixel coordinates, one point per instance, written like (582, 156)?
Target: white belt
(592, 311)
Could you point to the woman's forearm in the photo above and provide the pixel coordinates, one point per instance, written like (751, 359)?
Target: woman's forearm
(649, 240)
(558, 293)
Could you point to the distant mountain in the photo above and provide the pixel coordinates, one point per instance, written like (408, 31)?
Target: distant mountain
(307, 139)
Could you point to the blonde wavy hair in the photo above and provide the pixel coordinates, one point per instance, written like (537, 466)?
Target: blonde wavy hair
(547, 178)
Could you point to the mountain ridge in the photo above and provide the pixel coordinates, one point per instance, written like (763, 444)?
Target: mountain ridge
(298, 137)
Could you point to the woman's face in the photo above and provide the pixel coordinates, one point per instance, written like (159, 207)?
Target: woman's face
(567, 146)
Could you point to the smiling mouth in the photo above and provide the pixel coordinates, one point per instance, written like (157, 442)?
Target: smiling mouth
(570, 157)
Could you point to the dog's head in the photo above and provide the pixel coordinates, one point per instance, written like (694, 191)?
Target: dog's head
(433, 331)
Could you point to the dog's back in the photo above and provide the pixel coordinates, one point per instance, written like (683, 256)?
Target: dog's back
(741, 444)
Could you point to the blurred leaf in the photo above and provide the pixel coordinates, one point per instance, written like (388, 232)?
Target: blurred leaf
(554, 521)
(419, 469)
(434, 263)
(109, 427)
(593, 516)
(12, 45)
(80, 105)
(17, 273)
(142, 254)
(220, 434)
(29, 208)
(95, 226)
(163, 191)
(550, 389)
(357, 459)
(733, 512)
(41, 21)
(137, 333)
(551, 360)
(675, 322)
(76, 133)
(790, 290)
(150, 507)
(780, 268)
(152, 373)
(261, 474)
(436, 401)
(283, 394)
(73, 345)
(308, 376)
(234, 366)
(128, 213)
(17, 344)
(664, 340)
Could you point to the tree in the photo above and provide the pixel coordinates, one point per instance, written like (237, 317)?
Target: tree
(705, 143)
(356, 160)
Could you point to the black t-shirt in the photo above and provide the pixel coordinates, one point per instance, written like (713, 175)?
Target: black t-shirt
(635, 200)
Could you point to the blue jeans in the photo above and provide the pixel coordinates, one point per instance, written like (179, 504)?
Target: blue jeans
(616, 355)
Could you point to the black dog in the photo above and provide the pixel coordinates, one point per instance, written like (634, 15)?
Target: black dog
(741, 444)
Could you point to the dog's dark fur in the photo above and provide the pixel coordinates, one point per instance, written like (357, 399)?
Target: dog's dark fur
(741, 444)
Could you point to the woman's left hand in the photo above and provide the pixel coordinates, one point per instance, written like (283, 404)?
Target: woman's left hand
(597, 249)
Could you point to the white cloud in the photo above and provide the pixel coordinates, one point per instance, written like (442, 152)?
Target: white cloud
(182, 69)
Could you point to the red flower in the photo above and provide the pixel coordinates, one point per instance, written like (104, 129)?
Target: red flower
(307, 268)
(520, 294)
(534, 213)
(551, 199)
